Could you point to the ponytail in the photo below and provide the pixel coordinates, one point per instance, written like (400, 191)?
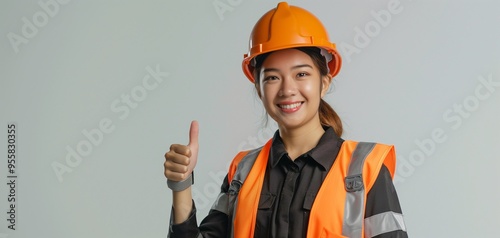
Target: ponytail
(329, 117)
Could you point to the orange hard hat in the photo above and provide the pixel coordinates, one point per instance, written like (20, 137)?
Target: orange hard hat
(287, 27)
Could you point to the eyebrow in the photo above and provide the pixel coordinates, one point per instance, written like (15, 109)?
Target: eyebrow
(294, 67)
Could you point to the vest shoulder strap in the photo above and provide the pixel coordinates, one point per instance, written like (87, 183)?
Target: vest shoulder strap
(365, 163)
(242, 163)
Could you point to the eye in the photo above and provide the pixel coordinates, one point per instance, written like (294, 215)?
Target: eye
(270, 78)
(302, 74)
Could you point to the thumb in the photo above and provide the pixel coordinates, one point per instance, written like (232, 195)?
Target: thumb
(193, 134)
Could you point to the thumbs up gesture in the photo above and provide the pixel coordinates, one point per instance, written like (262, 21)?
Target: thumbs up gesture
(181, 159)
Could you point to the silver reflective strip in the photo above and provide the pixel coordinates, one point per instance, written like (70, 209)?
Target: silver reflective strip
(246, 165)
(221, 204)
(383, 223)
(354, 203)
(358, 157)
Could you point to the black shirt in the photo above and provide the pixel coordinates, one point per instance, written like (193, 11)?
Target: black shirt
(288, 193)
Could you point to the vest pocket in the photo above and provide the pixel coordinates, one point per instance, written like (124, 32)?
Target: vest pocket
(264, 214)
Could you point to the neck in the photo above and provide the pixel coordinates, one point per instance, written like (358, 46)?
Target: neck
(300, 140)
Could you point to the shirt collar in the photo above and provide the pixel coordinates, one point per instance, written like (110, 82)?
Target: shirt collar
(324, 153)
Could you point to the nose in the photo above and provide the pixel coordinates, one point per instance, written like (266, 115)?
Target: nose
(288, 87)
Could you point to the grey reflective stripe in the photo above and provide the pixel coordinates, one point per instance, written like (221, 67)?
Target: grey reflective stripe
(354, 202)
(358, 157)
(227, 202)
(383, 223)
(221, 203)
(246, 165)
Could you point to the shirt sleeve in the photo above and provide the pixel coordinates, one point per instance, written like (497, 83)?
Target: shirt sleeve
(383, 214)
(215, 224)
(188, 228)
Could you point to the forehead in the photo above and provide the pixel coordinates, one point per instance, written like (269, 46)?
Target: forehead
(287, 58)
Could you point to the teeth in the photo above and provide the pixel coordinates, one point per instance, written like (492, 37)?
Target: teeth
(290, 106)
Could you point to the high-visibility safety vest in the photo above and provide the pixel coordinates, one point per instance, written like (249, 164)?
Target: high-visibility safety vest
(339, 207)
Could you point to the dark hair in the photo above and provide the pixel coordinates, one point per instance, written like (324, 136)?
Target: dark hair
(327, 115)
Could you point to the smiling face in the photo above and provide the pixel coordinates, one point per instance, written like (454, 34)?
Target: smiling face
(290, 87)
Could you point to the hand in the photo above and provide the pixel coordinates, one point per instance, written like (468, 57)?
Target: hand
(181, 159)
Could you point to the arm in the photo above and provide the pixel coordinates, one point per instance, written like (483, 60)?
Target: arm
(383, 215)
(179, 164)
(182, 205)
(214, 225)
(180, 161)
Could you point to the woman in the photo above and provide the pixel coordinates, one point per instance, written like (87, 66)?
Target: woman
(306, 181)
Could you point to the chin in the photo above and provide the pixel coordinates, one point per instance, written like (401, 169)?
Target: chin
(290, 124)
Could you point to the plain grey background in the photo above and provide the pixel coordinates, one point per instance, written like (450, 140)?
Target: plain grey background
(422, 75)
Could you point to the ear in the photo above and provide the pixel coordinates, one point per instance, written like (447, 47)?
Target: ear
(325, 84)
